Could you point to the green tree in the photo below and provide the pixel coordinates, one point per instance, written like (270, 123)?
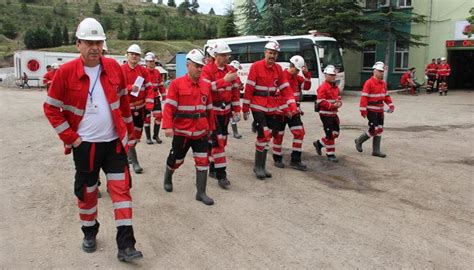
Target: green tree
(212, 12)
(184, 7)
(145, 26)
(134, 31)
(107, 23)
(194, 6)
(273, 16)
(24, 8)
(121, 33)
(65, 35)
(342, 19)
(470, 19)
(252, 17)
(230, 30)
(119, 9)
(171, 3)
(96, 10)
(9, 29)
(386, 26)
(38, 38)
(57, 37)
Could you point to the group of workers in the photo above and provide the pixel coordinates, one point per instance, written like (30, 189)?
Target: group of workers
(99, 109)
(436, 75)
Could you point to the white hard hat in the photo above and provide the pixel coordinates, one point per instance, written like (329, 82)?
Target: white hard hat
(330, 70)
(55, 65)
(443, 59)
(134, 48)
(298, 61)
(221, 47)
(379, 66)
(150, 56)
(90, 29)
(196, 55)
(210, 51)
(235, 64)
(104, 48)
(273, 45)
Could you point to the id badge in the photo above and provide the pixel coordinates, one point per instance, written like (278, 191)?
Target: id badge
(92, 108)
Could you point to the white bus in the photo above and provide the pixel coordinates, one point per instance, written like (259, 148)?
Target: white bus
(317, 50)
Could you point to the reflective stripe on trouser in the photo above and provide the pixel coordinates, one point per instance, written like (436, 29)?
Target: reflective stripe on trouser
(89, 159)
(442, 82)
(179, 148)
(264, 123)
(430, 83)
(219, 142)
(375, 123)
(138, 121)
(147, 121)
(157, 114)
(331, 131)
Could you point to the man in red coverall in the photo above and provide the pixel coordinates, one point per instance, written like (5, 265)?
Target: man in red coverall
(374, 95)
(406, 81)
(266, 87)
(87, 105)
(328, 103)
(430, 72)
(297, 85)
(238, 84)
(188, 118)
(140, 94)
(158, 90)
(225, 105)
(443, 71)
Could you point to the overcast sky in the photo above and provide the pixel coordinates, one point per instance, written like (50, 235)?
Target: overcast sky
(219, 6)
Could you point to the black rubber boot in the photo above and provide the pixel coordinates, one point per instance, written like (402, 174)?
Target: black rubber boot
(126, 244)
(278, 161)
(264, 164)
(148, 135)
(376, 147)
(235, 131)
(332, 158)
(89, 243)
(201, 183)
(156, 131)
(222, 178)
(132, 155)
(319, 146)
(258, 168)
(254, 127)
(296, 161)
(360, 140)
(168, 180)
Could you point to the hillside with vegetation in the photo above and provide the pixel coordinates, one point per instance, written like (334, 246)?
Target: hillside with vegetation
(50, 25)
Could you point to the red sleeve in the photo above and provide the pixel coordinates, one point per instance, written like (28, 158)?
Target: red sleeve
(170, 105)
(322, 95)
(210, 112)
(161, 88)
(53, 109)
(364, 96)
(149, 94)
(125, 110)
(286, 94)
(249, 88)
(307, 81)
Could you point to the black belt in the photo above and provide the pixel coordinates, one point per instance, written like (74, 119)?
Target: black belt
(190, 115)
(264, 93)
(376, 102)
(221, 104)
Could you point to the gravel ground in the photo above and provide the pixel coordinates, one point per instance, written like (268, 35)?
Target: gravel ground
(413, 209)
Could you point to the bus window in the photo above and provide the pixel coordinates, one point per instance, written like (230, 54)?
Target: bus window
(256, 51)
(309, 55)
(332, 55)
(288, 48)
(239, 53)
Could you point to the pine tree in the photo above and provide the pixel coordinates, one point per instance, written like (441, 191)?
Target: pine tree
(119, 9)
(384, 26)
(212, 12)
(171, 3)
(273, 17)
(252, 17)
(194, 6)
(134, 32)
(65, 36)
(230, 30)
(57, 37)
(24, 8)
(342, 19)
(97, 10)
(9, 29)
(121, 33)
(38, 38)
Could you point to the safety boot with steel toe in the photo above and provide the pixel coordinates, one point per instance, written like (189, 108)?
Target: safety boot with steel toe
(376, 147)
(201, 183)
(360, 140)
(129, 254)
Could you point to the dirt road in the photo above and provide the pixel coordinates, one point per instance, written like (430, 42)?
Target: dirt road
(413, 209)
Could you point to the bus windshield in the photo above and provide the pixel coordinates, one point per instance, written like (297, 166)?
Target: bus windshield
(332, 55)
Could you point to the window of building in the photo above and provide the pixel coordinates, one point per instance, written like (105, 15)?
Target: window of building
(371, 4)
(401, 57)
(404, 3)
(368, 57)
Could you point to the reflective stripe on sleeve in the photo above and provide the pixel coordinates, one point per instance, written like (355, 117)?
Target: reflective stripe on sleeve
(59, 129)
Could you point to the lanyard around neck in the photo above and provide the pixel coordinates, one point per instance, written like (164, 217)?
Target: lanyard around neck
(95, 82)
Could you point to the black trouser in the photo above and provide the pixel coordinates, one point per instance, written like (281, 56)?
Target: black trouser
(89, 159)
(138, 122)
(218, 144)
(375, 123)
(264, 124)
(296, 128)
(181, 145)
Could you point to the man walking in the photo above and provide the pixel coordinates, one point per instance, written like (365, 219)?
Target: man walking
(374, 95)
(188, 118)
(443, 71)
(158, 91)
(87, 105)
(430, 72)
